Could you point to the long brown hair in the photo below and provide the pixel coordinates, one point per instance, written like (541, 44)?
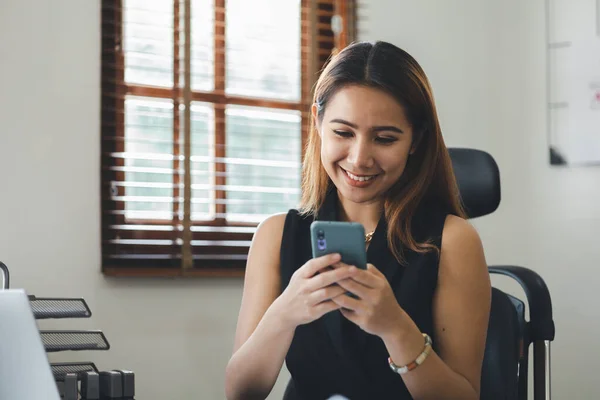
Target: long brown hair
(428, 174)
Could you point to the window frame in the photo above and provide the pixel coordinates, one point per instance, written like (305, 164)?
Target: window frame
(315, 34)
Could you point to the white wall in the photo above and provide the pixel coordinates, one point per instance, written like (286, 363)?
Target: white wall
(486, 63)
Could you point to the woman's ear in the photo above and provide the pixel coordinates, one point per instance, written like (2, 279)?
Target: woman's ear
(315, 117)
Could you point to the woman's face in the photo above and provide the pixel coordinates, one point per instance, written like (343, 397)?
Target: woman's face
(365, 142)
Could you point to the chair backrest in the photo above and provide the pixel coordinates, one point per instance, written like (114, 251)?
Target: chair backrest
(478, 180)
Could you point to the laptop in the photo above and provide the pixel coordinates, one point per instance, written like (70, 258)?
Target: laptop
(25, 371)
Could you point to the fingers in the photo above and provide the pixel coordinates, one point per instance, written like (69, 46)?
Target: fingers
(325, 279)
(347, 302)
(324, 308)
(374, 270)
(371, 278)
(324, 294)
(333, 266)
(355, 287)
(316, 264)
(338, 264)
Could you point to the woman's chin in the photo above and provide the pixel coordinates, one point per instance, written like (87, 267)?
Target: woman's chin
(358, 195)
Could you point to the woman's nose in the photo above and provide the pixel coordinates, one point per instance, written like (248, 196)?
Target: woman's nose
(360, 155)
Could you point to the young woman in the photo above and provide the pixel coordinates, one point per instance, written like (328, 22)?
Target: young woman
(418, 326)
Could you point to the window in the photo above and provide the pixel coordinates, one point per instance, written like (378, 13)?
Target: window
(203, 138)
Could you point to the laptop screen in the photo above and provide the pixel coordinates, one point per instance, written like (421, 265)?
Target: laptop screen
(24, 368)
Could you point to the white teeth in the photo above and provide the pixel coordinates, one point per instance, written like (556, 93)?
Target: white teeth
(360, 178)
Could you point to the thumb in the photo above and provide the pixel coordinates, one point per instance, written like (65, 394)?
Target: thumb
(373, 269)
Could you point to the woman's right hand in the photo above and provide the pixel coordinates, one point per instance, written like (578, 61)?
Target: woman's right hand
(308, 295)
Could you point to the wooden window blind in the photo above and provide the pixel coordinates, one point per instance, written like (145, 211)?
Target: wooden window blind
(204, 115)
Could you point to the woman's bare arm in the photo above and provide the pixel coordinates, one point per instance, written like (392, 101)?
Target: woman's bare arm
(268, 318)
(461, 309)
(261, 341)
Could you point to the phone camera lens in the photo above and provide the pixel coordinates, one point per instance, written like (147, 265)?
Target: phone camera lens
(320, 234)
(321, 244)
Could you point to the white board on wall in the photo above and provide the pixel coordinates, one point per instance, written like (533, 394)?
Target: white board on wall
(573, 81)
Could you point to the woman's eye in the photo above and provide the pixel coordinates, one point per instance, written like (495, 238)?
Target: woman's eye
(343, 133)
(386, 140)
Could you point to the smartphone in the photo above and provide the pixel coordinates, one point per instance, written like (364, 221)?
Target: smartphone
(345, 238)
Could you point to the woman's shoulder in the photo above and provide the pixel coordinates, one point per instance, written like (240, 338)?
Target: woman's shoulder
(276, 224)
(280, 237)
(273, 223)
(462, 248)
(459, 232)
(453, 229)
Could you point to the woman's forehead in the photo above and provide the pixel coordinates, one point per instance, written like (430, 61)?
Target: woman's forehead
(364, 105)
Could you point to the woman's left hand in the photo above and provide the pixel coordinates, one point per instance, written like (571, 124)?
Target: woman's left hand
(376, 310)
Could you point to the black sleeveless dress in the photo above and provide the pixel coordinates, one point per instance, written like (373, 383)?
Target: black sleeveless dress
(332, 355)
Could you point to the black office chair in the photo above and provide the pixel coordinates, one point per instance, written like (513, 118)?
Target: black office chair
(506, 360)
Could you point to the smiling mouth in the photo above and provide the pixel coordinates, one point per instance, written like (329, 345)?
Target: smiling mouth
(359, 178)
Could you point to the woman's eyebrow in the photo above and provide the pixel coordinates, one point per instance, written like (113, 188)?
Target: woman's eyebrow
(389, 128)
(341, 121)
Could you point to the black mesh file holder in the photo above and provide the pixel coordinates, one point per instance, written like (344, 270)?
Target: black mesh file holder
(74, 340)
(45, 307)
(59, 370)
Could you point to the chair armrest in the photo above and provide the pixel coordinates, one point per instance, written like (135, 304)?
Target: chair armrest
(541, 324)
(5, 275)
